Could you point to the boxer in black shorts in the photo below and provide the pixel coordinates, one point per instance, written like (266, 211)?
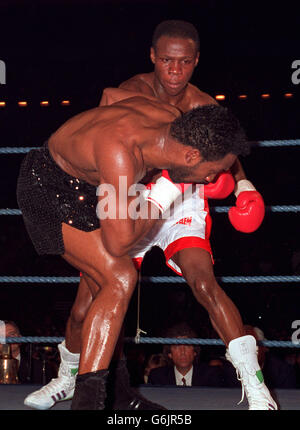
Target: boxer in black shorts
(128, 139)
(49, 197)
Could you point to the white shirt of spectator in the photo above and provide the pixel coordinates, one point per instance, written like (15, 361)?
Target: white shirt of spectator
(188, 377)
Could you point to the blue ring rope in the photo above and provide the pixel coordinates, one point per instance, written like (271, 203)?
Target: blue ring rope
(152, 340)
(217, 209)
(152, 279)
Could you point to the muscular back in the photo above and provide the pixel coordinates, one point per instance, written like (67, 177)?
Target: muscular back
(86, 143)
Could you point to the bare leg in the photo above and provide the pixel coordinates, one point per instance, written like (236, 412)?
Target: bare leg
(197, 269)
(102, 326)
(78, 313)
(111, 282)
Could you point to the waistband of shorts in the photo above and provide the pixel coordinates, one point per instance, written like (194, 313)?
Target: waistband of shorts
(48, 156)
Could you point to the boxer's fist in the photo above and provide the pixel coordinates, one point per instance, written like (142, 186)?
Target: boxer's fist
(221, 187)
(164, 192)
(248, 213)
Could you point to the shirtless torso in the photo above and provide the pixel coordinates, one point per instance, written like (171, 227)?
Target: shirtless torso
(90, 144)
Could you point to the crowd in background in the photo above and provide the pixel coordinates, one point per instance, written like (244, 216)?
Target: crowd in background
(39, 362)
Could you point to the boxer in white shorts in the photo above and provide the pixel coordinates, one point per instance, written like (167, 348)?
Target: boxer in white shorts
(188, 226)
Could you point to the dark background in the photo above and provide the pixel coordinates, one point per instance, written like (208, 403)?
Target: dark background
(57, 50)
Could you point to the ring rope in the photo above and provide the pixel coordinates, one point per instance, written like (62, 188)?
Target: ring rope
(261, 143)
(276, 208)
(196, 341)
(217, 209)
(152, 340)
(152, 279)
(228, 279)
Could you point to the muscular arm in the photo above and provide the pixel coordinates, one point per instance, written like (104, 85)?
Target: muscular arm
(120, 231)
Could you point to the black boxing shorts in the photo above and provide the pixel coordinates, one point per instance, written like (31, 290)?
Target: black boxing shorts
(48, 197)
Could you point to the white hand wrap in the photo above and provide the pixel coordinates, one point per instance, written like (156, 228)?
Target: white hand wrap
(243, 185)
(163, 193)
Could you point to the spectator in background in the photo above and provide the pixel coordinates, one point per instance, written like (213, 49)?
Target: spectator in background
(35, 364)
(184, 368)
(153, 362)
(12, 330)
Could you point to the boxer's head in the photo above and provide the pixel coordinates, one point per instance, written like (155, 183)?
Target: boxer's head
(178, 29)
(174, 53)
(214, 138)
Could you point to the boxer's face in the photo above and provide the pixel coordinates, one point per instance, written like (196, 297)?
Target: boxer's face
(202, 172)
(175, 60)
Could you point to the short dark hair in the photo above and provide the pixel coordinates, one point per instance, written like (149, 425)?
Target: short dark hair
(176, 28)
(213, 130)
(181, 329)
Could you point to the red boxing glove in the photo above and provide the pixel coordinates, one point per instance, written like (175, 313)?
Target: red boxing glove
(248, 213)
(221, 187)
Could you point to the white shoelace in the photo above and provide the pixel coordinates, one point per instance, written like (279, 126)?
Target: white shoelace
(56, 385)
(251, 392)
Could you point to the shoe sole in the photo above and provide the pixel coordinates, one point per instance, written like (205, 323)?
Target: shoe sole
(41, 407)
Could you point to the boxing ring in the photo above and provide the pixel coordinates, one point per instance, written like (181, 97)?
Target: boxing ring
(173, 398)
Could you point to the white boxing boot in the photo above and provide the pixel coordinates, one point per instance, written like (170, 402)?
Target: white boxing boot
(60, 388)
(242, 353)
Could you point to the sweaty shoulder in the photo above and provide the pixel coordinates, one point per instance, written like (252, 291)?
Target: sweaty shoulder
(199, 98)
(141, 83)
(114, 95)
(137, 102)
(150, 107)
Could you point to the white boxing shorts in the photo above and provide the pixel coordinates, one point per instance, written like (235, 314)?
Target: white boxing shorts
(187, 225)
